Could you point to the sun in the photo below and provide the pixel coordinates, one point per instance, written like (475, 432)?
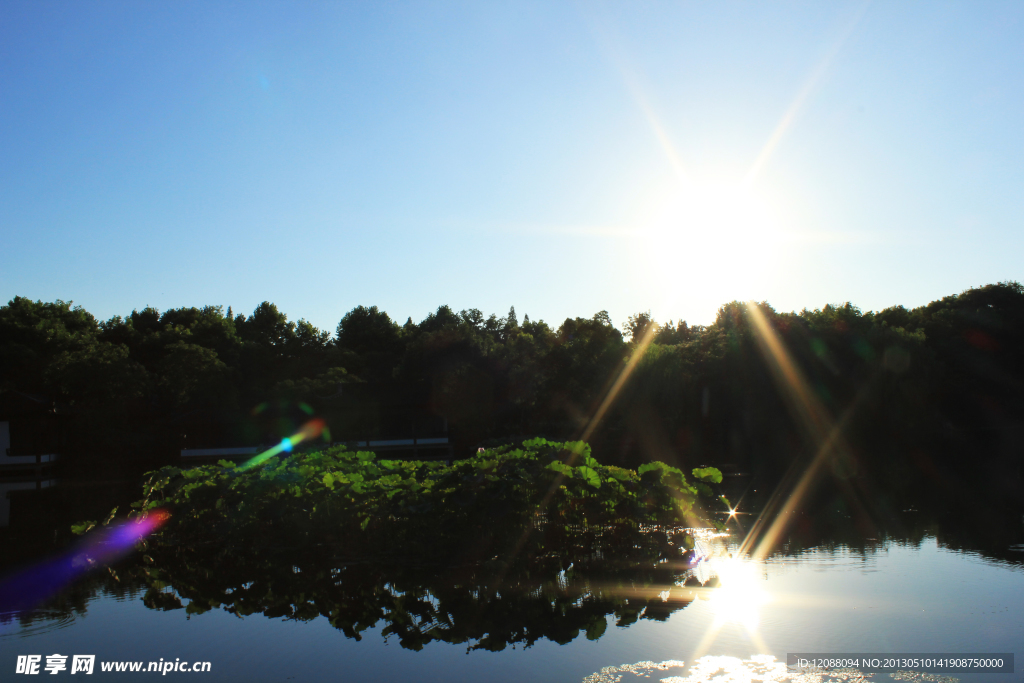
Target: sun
(715, 241)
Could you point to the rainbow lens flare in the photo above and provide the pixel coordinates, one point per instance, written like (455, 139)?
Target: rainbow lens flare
(26, 589)
(310, 430)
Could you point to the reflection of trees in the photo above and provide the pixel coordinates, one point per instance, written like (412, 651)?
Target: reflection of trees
(825, 526)
(559, 585)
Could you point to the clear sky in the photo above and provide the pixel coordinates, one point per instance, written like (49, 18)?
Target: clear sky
(559, 157)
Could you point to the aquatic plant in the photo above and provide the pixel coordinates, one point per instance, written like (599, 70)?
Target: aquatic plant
(359, 502)
(513, 545)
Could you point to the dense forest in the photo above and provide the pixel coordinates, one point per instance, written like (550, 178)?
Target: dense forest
(929, 397)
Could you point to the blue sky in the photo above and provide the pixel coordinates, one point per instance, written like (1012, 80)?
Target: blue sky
(559, 157)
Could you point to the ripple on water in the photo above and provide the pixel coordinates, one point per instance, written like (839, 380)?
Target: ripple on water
(717, 669)
(34, 623)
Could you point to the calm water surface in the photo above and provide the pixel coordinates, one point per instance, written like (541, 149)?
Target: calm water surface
(889, 592)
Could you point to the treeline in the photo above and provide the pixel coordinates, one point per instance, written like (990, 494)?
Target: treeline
(929, 396)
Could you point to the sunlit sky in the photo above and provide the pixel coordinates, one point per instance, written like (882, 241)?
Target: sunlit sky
(559, 157)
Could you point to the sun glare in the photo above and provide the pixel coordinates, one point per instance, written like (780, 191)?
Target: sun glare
(740, 596)
(715, 241)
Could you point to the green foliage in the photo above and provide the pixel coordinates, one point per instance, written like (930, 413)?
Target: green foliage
(711, 474)
(82, 527)
(325, 384)
(190, 370)
(33, 334)
(541, 539)
(361, 501)
(546, 543)
(97, 373)
(368, 330)
(941, 380)
(636, 325)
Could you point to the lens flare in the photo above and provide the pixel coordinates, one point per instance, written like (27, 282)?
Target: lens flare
(310, 430)
(813, 416)
(26, 589)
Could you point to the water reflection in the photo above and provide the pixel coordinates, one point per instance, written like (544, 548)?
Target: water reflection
(564, 585)
(742, 594)
(64, 609)
(604, 591)
(10, 485)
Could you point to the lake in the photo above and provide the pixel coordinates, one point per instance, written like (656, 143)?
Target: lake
(917, 583)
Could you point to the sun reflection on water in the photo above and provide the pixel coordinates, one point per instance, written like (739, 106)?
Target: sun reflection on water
(740, 594)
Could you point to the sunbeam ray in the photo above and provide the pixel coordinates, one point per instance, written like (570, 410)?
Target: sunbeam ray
(801, 98)
(811, 415)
